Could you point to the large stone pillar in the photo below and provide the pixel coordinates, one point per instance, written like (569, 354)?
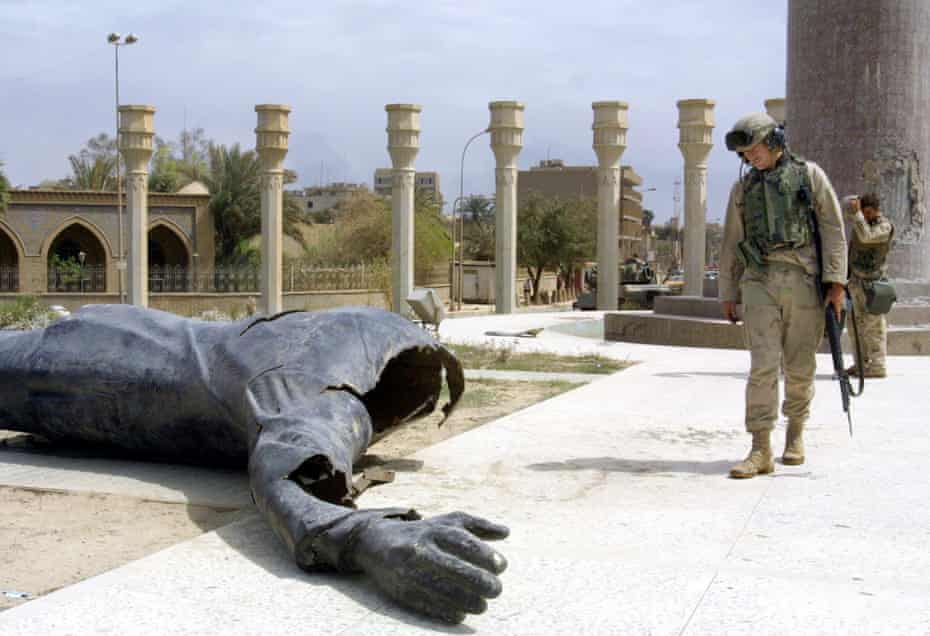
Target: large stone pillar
(271, 135)
(775, 107)
(506, 141)
(858, 104)
(136, 133)
(403, 131)
(610, 126)
(695, 124)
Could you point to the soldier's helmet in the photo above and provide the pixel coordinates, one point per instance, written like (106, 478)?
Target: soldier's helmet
(748, 131)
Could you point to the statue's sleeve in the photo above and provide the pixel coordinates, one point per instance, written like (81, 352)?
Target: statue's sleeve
(300, 468)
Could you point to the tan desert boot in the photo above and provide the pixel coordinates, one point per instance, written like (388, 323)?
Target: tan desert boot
(759, 461)
(794, 445)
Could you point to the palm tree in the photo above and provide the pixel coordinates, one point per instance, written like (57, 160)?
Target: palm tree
(90, 172)
(235, 199)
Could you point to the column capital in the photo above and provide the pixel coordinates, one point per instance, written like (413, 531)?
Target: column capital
(610, 126)
(776, 109)
(271, 134)
(695, 125)
(403, 129)
(136, 135)
(506, 128)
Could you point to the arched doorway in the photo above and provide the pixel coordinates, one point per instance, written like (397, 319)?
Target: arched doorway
(77, 261)
(9, 263)
(169, 261)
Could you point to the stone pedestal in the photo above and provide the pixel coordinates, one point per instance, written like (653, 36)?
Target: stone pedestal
(775, 107)
(858, 98)
(695, 124)
(610, 126)
(506, 141)
(403, 129)
(271, 135)
(136, 133)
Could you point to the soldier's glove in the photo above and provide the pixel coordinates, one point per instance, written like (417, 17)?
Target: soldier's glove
(438, 566)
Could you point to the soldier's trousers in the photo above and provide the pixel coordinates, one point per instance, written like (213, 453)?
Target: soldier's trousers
(872, 330)
(783, 324)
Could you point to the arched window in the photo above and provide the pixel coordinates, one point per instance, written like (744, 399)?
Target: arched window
(77, 261)
(9, 263)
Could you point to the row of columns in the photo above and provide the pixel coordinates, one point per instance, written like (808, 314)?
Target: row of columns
(136, 144)
(695, 123)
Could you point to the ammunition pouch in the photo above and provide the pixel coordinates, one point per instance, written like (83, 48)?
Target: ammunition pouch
(751, 255)
(880, 295)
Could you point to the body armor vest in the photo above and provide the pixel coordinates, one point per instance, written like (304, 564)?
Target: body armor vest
(867, 262)
(777, 205)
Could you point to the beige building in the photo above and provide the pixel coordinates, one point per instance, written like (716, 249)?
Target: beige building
(553, 178)
(66, 241)
(324, 198)
(428, 181)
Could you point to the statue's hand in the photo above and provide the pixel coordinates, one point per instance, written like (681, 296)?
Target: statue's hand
(438, 566)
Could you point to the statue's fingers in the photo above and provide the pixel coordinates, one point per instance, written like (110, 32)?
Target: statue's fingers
(460, 576)
(466, 546)
(478, 526)
(449, 590)
(431, 603)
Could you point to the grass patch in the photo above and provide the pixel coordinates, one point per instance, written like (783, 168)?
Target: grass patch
(26, 312)
(503, 358)
(483, 393)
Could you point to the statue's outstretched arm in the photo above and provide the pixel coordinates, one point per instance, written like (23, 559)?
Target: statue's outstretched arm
(300, 470)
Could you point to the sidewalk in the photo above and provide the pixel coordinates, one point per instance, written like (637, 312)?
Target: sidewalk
(622, 519)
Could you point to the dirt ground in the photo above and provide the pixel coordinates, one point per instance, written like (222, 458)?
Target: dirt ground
(51, 539)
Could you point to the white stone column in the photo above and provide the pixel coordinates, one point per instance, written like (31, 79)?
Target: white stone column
(136, 133)
(610, 126)
(775, 108)
(403, 131)
(506, 141)
(695, 123)
(271, 144)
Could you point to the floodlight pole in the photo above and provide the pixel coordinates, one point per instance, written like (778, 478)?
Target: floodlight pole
(461, 226)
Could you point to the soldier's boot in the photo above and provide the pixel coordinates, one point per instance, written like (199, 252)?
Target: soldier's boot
(759, 461)
(794, 445)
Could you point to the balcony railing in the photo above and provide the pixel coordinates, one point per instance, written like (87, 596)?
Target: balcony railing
(89, 279)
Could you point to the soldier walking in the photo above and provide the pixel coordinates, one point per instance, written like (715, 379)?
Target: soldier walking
(870, 235)
(769, 261)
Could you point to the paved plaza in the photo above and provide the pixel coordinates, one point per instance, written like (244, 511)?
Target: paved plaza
(622, 518)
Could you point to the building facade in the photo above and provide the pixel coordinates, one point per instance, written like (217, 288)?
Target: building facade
(325, 198)
(552, 178)
(426, 181)
(67, 241)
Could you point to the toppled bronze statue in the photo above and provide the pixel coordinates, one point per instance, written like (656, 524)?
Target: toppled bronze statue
(298, 397)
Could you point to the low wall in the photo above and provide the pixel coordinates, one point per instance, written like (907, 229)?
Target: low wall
(189, 304)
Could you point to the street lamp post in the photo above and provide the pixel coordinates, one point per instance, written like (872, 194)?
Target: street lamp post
(117, 41)
(82, 257)
(457, 281)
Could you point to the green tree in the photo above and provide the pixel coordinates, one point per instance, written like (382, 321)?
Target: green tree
(478, 215)
(4, 190)
(555, 234)
(235, 200)
(94, 167)
(163, 168)
(648, 217)
(193, 162)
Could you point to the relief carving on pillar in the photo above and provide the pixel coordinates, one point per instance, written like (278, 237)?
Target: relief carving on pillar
(138, 182)
(897, 181)
(610, 177)
(404, 180)
(695, 178)
(506, 176)
(272, 181)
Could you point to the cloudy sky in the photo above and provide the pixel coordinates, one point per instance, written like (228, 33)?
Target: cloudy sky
(337, 63)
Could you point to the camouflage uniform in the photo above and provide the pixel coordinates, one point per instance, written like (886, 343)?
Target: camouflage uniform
(769, 260)
(869, 244)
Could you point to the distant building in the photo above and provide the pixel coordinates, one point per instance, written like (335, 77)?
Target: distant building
(553, 178)
(324, 198)
(384, 182)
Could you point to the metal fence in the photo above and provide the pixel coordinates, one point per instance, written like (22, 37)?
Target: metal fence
(88, 279)
(296, 277)
(9, 278)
